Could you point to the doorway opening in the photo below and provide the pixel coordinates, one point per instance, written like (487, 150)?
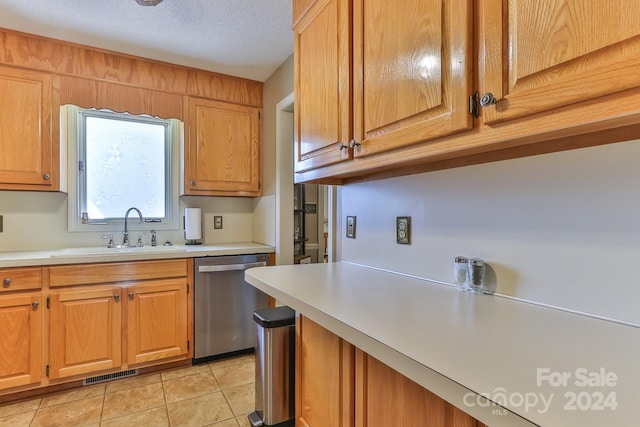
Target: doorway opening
(304, 212)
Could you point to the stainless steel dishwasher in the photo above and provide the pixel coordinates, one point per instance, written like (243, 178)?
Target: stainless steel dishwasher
(224, 304)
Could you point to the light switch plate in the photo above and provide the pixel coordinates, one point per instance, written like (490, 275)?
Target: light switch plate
(403, 230)
(217, 222)
(351, 227)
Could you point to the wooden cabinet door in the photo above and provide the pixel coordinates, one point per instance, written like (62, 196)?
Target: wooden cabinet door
(85, 330)
(222, 156)
(322, 83)
(412, 71)
(385, 397)
(20, 340)
(26, 159)
(539, 55)
(324, 377)
(156, 320)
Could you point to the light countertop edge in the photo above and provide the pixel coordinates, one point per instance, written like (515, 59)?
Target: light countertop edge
(461, 342)
(57, 257)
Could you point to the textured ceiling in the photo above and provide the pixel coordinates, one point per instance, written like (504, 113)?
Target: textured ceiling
(246, 38)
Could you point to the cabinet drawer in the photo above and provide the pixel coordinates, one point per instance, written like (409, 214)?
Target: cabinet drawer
(19, 279)
(89, 274)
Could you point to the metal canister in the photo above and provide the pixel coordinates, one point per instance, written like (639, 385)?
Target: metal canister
(460, 268)
(476, 275)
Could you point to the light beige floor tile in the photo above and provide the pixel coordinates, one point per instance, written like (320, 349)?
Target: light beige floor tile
(74, 394)
(182, 372)
(155, 417)
(235, 360)
(132, 382)
(132, 400)
(226, 423)
(234, 375)
(24, 406)
(243, 421)
(76, 413)
(21, 419)
(199, 411)
(241, 398)
(190, 386)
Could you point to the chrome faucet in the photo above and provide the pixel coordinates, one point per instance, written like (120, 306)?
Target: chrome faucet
(125, 241)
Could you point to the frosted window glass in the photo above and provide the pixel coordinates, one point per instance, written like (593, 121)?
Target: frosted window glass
(125, 167)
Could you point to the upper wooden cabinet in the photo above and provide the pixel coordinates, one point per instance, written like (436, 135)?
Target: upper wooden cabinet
(27, 160)
(412, 67)
(222, 152)
(322, 80)
(557, 74)
(372, 76)
(38, 75)
(545, 54)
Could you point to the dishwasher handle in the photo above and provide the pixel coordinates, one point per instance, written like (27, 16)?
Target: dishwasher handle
(229, 267)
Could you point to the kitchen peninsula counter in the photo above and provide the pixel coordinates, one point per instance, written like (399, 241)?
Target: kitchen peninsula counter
(545, 366)
(103, 254)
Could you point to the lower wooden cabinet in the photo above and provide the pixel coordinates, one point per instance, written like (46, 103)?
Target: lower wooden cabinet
(385, 397)
(131, 314)
(21, 339)
(157, 320)
(324, 377)
(69, 322)
(340, 385)
(85, 331)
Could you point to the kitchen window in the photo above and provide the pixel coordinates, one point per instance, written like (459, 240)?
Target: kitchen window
(118, 161)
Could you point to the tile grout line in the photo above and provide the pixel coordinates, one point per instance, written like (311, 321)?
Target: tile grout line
(164, 396)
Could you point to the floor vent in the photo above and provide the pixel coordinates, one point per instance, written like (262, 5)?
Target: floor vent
(110, 377)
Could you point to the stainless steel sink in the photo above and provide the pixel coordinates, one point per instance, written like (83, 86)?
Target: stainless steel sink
(103, 251)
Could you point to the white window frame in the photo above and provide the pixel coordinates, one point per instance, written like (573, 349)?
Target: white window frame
(71, 129)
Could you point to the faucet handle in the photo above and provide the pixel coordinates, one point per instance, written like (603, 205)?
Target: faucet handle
(110, 243)
(140, 243)
(154, 240)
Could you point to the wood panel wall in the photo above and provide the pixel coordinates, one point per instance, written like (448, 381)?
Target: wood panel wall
(91, 77)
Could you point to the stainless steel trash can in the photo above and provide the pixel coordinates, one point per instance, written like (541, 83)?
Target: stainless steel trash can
(275, 367)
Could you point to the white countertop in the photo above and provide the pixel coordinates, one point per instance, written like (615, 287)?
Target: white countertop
(453, 342)
(102, 254)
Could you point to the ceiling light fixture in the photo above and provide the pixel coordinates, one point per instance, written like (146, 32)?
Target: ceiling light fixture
(148, 2)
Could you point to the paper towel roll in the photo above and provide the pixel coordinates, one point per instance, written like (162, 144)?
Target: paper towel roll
(192, 224)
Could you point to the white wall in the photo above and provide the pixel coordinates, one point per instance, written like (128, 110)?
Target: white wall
(38, 220)
(561, 229)
(276, 87)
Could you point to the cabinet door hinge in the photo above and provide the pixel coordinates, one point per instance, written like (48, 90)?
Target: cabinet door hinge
(474, 104)
(187, 288)
(48, 303)
(47, 371)
(259, 115)
(188, 344)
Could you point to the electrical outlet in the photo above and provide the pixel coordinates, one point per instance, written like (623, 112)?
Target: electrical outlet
(403, 230)
(217, 222)
(351, 227)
